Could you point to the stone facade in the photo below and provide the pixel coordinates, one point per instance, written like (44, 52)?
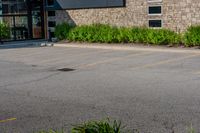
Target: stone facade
(176, 15)
(179, 14)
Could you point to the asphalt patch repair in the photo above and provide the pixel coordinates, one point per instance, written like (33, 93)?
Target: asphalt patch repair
(66, 69)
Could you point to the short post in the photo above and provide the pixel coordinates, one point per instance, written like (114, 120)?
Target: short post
(50, 37)
(1, 42)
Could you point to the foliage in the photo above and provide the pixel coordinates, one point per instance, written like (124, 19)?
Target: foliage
(101, 33)
(62, 30)
(94, 33)
(162, 37)
(4, 31)
(104, 126)
(108, 34)
(191, 129)
(192, 36)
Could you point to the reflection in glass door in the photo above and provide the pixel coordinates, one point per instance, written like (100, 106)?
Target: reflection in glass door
(20, 27)
(36, 24)
(37, 19)
(24, 17)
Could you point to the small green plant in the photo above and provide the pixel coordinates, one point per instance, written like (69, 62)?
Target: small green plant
(103, 126)
(4, 31)
(191, 129)
(192, 36)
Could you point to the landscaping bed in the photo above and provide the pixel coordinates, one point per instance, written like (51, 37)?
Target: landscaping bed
(99, 33)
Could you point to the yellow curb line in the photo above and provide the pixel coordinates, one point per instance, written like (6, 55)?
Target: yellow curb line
(7, 120)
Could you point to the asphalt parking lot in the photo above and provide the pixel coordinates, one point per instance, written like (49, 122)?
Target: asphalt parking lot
(55, 87)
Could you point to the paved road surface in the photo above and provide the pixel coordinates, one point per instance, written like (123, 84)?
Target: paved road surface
(155, 92)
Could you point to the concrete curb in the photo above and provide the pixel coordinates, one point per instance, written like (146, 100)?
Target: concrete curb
(26, 44)
(128, 48)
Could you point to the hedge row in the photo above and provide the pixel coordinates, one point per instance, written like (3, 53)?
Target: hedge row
(109, 34)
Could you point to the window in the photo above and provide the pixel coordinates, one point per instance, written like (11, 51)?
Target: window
(50, 2)
(51, 13)
(155, 10)
(10, 7)
(51, 23)
(155, 23)
(154, 1)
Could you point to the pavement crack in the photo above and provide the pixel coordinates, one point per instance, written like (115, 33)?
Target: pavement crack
(31, 81)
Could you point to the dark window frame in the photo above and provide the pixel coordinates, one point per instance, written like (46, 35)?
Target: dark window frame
(155, 12)
(151, 25)
(51, 24)
(51, 13)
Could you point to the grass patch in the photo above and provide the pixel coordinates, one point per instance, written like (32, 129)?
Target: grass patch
(103, 126)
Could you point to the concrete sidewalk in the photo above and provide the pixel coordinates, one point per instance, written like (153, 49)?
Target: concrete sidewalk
(129, 47)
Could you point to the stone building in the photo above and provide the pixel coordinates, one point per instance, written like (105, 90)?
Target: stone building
(36, 19)
(176, 15)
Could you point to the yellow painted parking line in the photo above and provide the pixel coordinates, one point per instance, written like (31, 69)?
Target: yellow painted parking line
(164, 62)
(74, 55)
(7, 120)
(112, 59)
(197, 72)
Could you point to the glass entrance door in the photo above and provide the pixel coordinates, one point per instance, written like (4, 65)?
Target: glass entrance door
(20, 28)
(24, 17)
(37, 19)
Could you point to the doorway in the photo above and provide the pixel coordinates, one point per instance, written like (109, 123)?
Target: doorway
(25, 18)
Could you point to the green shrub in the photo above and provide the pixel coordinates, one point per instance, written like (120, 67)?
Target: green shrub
(192, 36)
(162, 37)
(109, 34)
(4, 31)
(62, 30)
(94, 33)
(104, 126)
